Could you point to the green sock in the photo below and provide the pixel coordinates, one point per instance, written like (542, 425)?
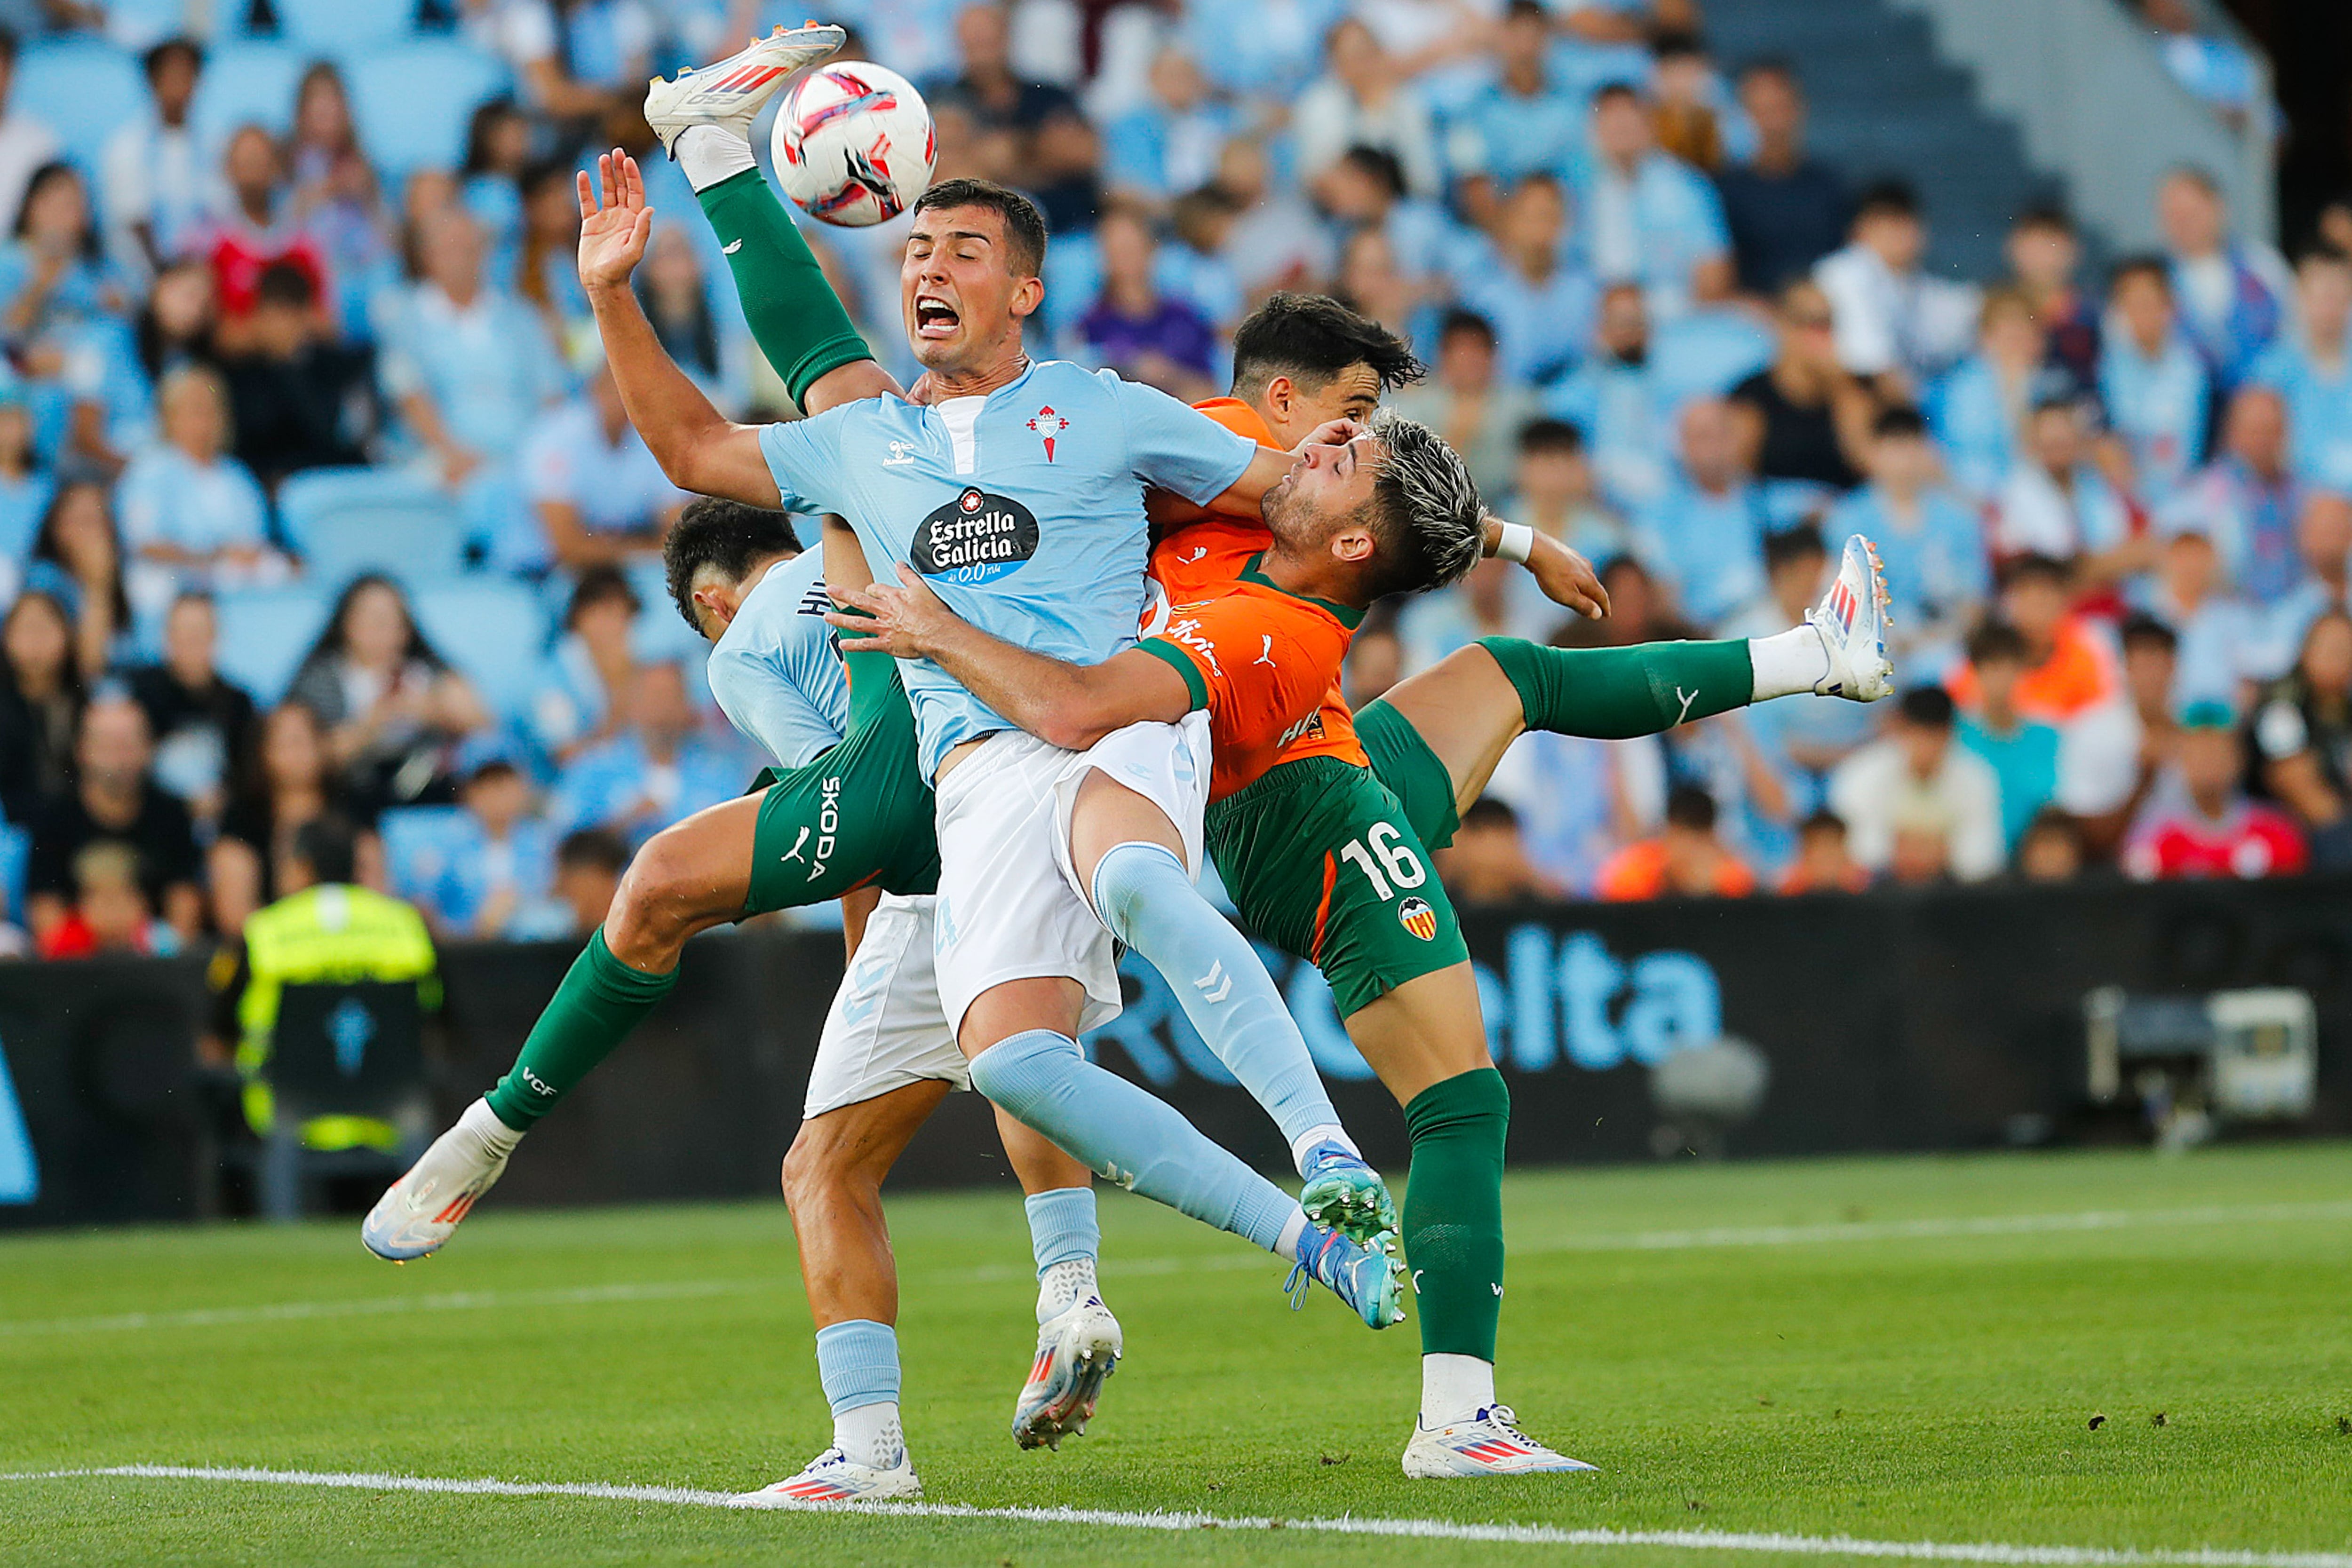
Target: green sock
(600, 1001)
(1615, 694)
(794, 316)
(1453, 1211)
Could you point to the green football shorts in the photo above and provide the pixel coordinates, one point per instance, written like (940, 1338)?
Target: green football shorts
(859, 816)
(1324, 861)
(1404, 761)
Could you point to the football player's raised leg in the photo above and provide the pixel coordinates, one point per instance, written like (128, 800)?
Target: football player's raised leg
(1127, 852)
(1468, 708)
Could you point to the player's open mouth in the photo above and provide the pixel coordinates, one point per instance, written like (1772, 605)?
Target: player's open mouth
(935, 319)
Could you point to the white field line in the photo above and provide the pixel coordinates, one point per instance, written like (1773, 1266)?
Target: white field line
(1112, 1518)
(1833, 1234)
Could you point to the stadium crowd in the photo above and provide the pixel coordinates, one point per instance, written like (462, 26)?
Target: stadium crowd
(314, 499)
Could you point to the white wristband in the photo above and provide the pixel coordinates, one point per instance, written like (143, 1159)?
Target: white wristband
(1517, 542)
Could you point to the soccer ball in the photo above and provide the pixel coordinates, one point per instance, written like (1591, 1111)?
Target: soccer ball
(854, 143)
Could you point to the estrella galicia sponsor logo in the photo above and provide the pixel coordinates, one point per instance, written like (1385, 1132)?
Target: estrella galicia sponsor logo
(1416, 916)
(977, 537)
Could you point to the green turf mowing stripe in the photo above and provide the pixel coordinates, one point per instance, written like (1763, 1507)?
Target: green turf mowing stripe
(1835, 1233)
(1113, 1519)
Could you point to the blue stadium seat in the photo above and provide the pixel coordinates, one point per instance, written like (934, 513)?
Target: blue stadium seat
(345, 521)
(247, 80)
(265, 631)
(342, 26)
(137, 25)
(414, 101)
(494, 630)
(83, 88)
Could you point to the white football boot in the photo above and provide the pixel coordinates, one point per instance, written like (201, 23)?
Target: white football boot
(727, 95)
(834, 1477)
(1077, 1349)
(1852, 619)
(418, 1213)
(1489, 1444)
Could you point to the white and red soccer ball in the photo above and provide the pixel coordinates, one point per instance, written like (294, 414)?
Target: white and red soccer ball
(854, 143)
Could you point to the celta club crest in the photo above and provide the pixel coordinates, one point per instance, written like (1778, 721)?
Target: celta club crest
(1048, 424)
(1416, 916)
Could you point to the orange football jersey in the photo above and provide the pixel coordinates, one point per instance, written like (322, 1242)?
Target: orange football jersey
(1205, 561)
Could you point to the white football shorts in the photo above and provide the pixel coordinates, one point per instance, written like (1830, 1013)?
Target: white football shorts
(1009, 905)
(885, 1029)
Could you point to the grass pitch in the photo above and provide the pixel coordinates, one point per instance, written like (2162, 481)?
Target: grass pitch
(1907, 1351)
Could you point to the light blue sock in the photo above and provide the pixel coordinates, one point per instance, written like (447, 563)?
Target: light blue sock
(857, 1361)
(1144, 897)
(1133, 1137)
(1062, 1225)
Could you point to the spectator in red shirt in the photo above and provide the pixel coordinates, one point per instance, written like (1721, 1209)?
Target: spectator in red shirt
(2199, 821)
(111, 914)
(253, 228)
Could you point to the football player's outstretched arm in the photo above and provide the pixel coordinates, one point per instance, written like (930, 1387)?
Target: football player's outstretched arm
(698, 447)
(1065, 705)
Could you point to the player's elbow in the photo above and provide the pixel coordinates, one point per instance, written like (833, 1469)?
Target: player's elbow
(1075, 731)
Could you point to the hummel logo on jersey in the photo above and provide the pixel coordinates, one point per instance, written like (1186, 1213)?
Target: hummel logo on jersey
(1048, 424)
(731, 248)
(1216, 985)
(901, 454)
(1266, 653)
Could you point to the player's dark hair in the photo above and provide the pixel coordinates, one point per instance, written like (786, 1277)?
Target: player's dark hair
(1425, 512)
(1025, 225)
(1689, 806)
(495, 768)
(1676, 42)
(1311, 338)
(153, 60)
(729, 537)
(1617, 89)
(1548, 434)
(1929, 707)
(330, 847)
(1823, 820)
(1998, 641)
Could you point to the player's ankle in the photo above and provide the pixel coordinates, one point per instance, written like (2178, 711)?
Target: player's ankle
(1455, 1388)
(483, 1121)
(871, 1434)
(1788, 663)
(1064, 1284)
(708, 154)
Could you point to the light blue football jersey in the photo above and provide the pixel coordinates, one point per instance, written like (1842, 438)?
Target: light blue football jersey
(1024, 509)
(774, 670)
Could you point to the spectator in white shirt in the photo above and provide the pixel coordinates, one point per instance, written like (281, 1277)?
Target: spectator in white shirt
(2109, 757)
(1894, 324)
(597, 493)
(2056, 503)
(1917, 784)
(153, 174)
(1362, 99)
(26, 144)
